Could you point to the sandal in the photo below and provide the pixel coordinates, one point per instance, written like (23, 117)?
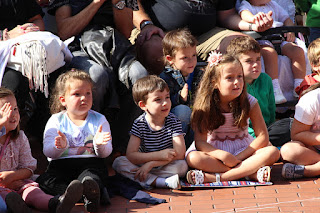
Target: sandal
(261, 173)
(292, 171)
(199, 177)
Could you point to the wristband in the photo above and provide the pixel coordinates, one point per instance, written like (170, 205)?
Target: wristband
(145, 23)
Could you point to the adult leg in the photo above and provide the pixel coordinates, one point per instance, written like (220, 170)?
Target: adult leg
(297, 153)
(100, 76)
(183, 112)
(298, 61)
(270, 58)
(217, 38)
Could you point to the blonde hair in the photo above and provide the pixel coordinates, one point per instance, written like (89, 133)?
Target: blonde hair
(314, 52)
(62, 85)
(206, 114)
(4, 92)
(177, 39)
(143, 86)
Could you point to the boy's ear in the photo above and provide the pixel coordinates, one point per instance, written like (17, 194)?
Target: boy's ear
(168, 58)
(142, 105)
(62, 100)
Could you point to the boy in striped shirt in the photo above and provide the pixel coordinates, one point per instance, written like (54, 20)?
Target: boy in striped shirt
(155, 153)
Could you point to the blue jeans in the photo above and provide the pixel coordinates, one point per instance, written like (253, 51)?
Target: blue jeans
(314, 33)
(3, 206)
(183, 112)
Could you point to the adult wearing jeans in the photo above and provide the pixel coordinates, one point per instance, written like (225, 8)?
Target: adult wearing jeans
(100, 56)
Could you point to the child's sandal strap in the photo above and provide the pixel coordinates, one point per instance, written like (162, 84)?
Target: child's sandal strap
(218, 177)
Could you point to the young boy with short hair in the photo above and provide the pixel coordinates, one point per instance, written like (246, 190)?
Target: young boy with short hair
(181, 74)
(155, 152)
(314, 58)
(259, 85)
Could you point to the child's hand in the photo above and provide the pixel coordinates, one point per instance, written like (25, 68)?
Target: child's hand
(290, 36)
(60, 141)
(101, 138)
(258, 17)
(142, 172)
(184, 93)
(15, 185)
(230, 160)
(168, 154)
(5, 178)
(5, 113)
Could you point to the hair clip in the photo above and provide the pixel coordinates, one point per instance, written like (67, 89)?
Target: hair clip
(214, 58)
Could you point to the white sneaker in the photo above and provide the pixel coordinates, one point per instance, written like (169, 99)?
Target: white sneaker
(173, 182)
(278, 96)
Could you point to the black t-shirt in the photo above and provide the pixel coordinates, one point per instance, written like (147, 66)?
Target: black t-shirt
(104, 16)
(199, 16)
(14, 12)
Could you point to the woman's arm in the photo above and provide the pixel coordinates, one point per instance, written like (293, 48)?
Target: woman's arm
(301, 132)
(260, 130)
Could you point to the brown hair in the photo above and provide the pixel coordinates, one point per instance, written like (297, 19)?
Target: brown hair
(143, 86)
(242, 45)
(4, 92)
(177, 39)
(206, 115)
(62, 85)
(314, 52)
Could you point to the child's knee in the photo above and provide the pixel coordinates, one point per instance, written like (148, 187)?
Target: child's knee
(121, 164)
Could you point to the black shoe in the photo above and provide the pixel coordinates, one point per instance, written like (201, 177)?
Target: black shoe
(66, 202)
(91, 193)
(15, 203)
(105, 198)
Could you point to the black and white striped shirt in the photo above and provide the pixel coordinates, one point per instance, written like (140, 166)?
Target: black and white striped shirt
(152, 140)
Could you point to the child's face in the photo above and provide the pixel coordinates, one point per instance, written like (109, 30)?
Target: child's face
(251, 64)
(158, 104)
(259, 2)
(185, 60)
(231, 82)
(78, 99)
(14, 118)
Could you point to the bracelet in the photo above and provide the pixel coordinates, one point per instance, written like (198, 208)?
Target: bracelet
(250, 26)
(145, 23)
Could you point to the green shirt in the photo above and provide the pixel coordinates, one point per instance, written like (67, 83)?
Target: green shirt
(312, 7)
(262, 90)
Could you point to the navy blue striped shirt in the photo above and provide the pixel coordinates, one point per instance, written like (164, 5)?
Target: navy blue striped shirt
(156, 140)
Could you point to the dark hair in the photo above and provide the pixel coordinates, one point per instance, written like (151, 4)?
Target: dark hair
(143, 86)
(61, 86)
(206, 114)
(177, 39)
(241, 45)
(4, 92)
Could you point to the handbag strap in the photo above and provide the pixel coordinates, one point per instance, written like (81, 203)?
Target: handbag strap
(4, 146)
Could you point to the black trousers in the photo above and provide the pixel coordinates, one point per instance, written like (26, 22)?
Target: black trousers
(61, 172)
